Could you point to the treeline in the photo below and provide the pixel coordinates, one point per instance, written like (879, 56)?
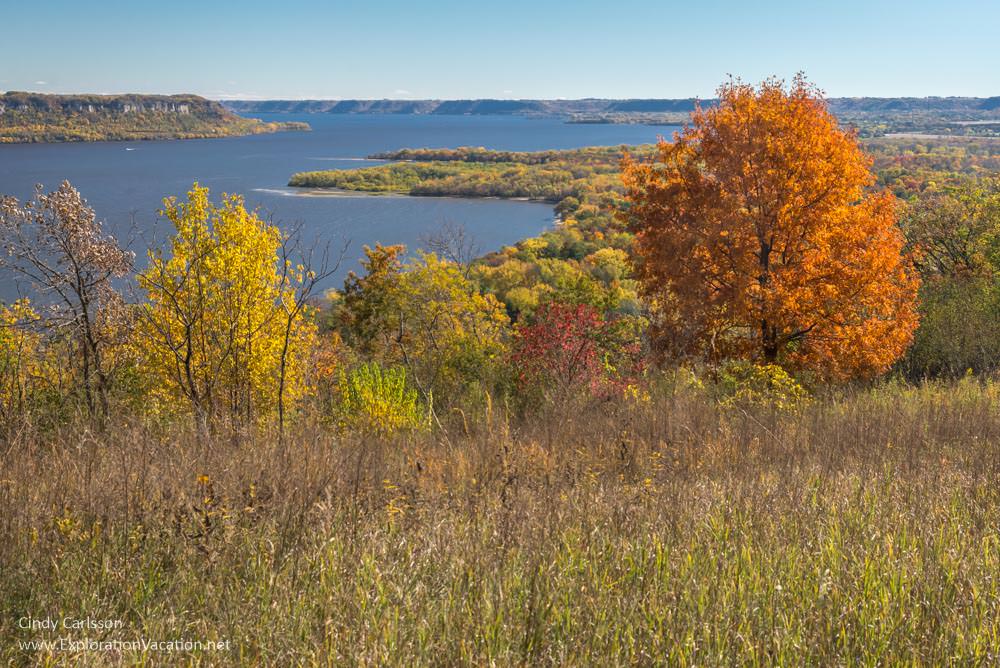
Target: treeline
(33, 118)
(949, 194)
(940, 183)
(593, 156)
(192, 338)
(224, 326)
(550, 181)
(585, 257)
(851, 105)
(911, 166)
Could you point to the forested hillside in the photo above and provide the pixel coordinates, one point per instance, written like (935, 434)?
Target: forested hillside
(737, 407)
(595, 105)
(33, 117)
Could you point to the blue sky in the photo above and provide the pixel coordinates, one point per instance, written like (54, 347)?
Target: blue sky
(498, 48)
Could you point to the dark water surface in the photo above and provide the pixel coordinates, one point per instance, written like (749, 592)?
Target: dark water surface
(126, 181)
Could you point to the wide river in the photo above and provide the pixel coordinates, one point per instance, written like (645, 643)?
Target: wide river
(125, 182)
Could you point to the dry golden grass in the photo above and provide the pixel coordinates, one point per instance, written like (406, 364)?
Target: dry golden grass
(860, 529)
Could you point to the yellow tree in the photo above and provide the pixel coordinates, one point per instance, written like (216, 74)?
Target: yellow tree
(225, 329)
(757, 237)
(19, 359)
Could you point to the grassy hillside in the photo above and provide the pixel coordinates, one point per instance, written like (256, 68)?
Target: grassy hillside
(499, 460)
(857, 529)
(30, 117)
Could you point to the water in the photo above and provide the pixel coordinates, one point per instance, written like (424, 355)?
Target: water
(125, 182)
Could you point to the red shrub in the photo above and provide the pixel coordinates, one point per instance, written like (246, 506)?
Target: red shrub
(571, 349)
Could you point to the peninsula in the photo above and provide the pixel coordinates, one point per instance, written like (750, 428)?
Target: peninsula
(35, 118)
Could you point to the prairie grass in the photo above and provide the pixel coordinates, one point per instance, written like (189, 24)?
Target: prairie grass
(858, 529)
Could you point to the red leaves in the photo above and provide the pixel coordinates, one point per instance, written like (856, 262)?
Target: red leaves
(572, 349)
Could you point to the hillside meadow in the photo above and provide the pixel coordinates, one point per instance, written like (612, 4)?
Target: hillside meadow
(739, 407)
(859, 528)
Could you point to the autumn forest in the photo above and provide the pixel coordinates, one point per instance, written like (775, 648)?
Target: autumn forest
(736, 406)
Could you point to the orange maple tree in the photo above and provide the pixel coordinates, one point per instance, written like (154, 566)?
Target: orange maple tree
(758, 237)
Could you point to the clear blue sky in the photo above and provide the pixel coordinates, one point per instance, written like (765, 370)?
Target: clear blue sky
(496, 48)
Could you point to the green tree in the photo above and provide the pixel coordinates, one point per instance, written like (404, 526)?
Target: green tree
(955, 232)
(426, 316)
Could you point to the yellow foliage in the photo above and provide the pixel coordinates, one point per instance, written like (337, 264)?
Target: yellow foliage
(225, 330)
(377, 400)
(426, 316)
(19, 356)
(745, 384)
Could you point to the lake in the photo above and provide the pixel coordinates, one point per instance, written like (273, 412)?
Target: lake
(125, 182)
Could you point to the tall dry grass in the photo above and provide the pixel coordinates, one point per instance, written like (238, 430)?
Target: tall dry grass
(859, 529)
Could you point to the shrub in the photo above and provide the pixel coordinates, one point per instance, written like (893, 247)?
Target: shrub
(957, 233)
(959, 329)
(427, 316)
(742, 383)
(571, 350)
(377, 400)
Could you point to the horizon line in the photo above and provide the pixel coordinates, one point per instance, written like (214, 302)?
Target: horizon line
(252, 98)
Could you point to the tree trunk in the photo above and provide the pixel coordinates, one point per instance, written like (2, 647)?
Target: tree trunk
(768, 333)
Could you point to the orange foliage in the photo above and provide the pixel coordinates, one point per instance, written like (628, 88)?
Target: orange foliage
(758, 238)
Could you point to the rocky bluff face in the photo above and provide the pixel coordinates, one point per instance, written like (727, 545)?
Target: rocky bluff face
(109, 104)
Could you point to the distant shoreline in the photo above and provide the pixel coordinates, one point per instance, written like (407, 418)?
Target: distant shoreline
(593, 106)
(928, 135)
(332, 192)
(33, 118)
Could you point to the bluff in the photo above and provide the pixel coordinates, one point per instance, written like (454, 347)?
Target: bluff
(36, 117)
(838, 105)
